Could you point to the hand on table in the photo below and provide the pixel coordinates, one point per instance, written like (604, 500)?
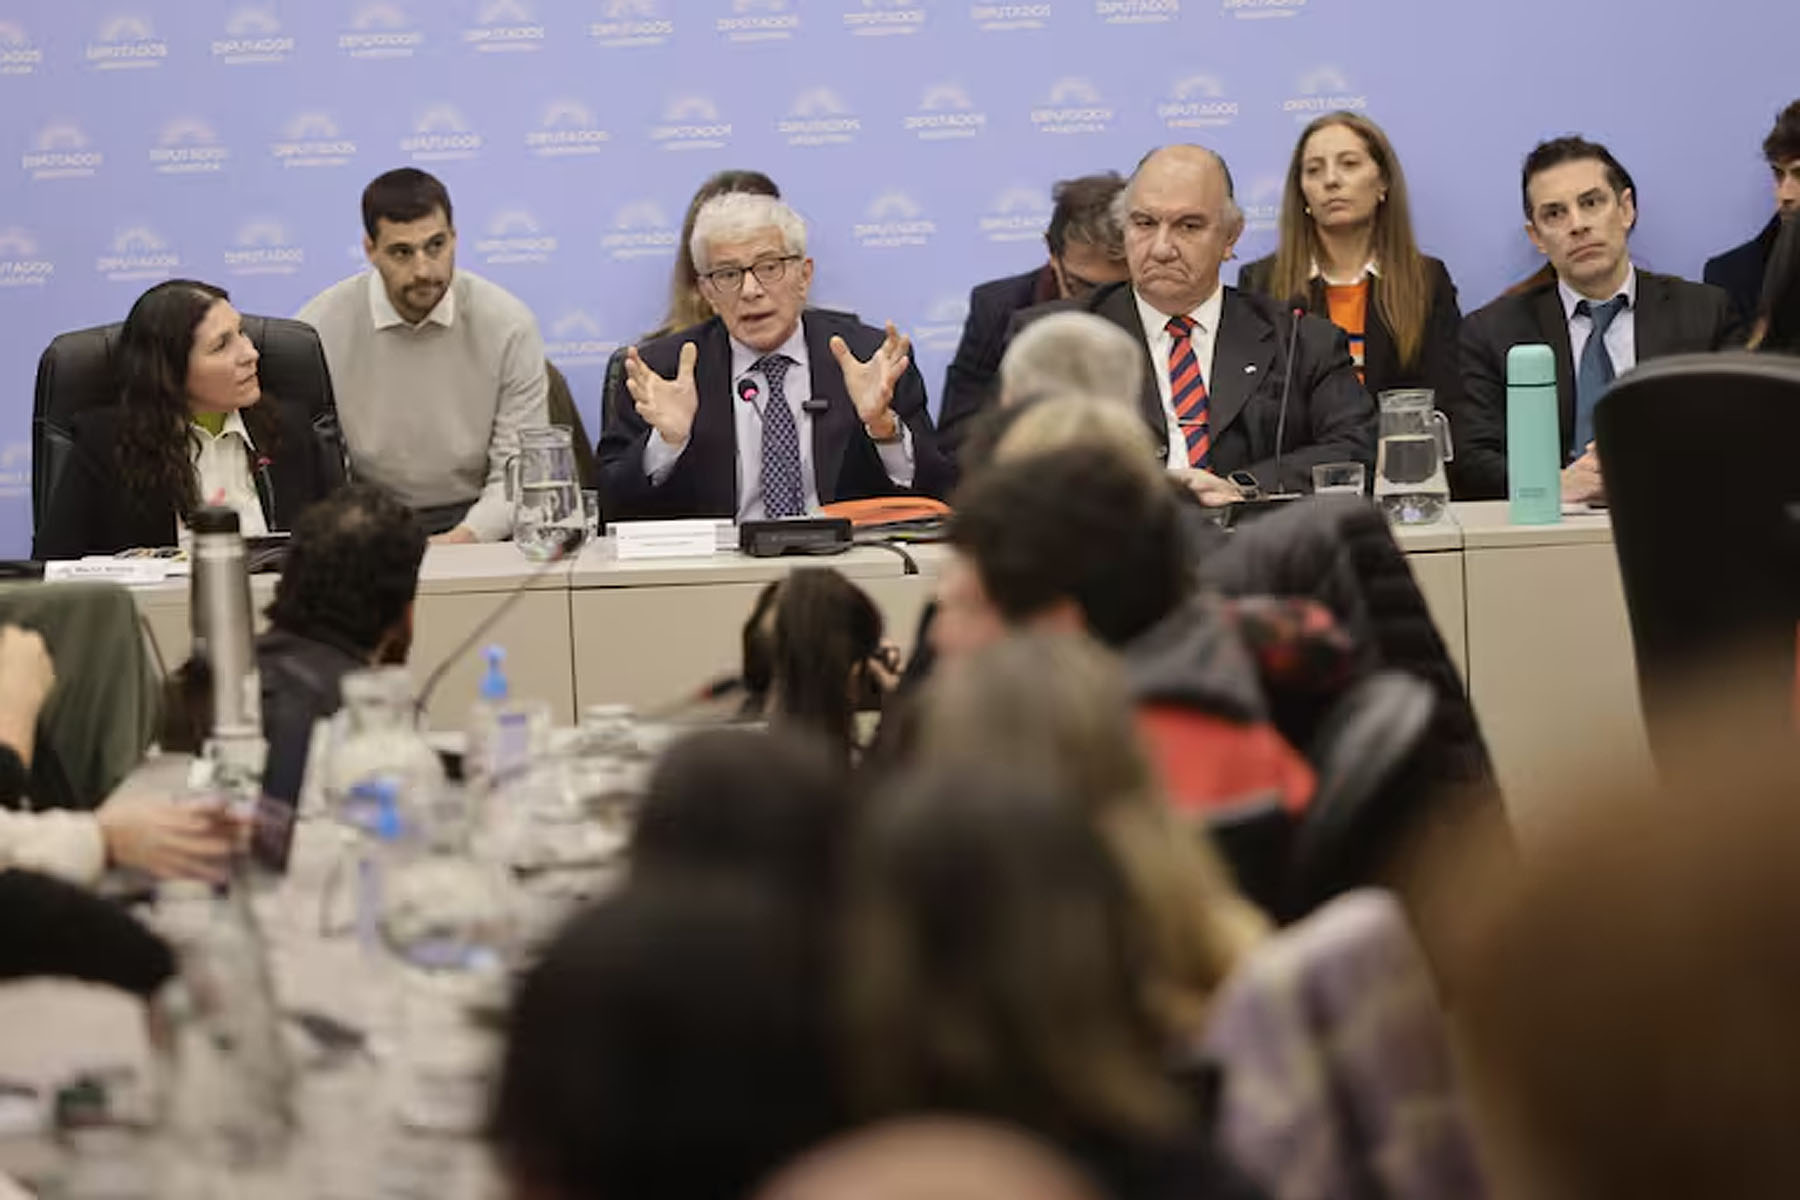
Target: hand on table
(668, 405)
(462, 535)
(167, 839)
(1211, 490)
(1581, 480)
(871, 384)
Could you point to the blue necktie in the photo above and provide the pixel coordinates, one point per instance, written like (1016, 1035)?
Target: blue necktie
(783, 495)
(1595, 374)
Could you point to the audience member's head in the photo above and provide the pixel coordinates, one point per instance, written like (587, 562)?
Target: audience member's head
(1072, 353)
(768, 807)
(687, 306)
(351, 572)
(671, 1042)
(1181, 223)
(1782, 150)
(1777, 326)
(750, 255)
(1059, 701)
(1580, 206)
(1076, 538)
(1087, 248)
(991, 961)
(814, 656)
(1066, 422)
(932, 1158)
(410, 239)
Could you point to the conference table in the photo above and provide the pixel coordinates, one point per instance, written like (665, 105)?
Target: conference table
(1534, 617)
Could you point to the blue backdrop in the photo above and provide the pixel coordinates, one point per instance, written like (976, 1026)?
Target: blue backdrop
(230, 140)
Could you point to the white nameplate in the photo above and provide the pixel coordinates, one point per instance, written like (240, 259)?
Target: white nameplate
(664, 539)
(113, 570)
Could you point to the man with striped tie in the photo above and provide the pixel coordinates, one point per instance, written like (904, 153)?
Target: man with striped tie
(1217, 359)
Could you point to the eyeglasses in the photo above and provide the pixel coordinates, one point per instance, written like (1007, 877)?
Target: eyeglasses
(768, 271)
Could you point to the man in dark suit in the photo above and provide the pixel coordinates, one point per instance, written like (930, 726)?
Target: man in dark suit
(1086, 252)
(1599, 314)
(1217, 360)
(748, 415)
(1740, 271)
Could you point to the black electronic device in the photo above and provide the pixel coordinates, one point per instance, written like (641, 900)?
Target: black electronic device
(795, 535)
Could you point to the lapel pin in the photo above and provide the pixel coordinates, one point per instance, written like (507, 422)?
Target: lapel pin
(1249, 368)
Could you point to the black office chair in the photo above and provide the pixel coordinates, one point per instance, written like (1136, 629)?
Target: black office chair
(1708, 541)
(75, 373)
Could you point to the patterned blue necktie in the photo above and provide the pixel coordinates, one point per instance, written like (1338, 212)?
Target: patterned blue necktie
(1595, 372)
(783, 495)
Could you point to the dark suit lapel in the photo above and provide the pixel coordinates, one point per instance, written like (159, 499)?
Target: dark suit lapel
(831, 429)
(1380, 359)
(1119, 305)
(1243, 357)
(1650, 317)
(1553, 326)
(715, 423)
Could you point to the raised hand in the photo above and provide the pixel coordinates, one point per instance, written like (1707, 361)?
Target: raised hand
(871, 384)
(668, 405)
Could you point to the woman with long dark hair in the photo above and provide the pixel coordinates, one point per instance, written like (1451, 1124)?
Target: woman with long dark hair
(1347, 252)
(191, 427)
(686, 304)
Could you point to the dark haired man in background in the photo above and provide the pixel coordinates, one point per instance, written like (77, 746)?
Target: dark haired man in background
(436, 370)
(1740, 271)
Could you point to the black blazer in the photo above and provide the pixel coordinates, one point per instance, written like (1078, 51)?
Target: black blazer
(1437, 368)
(93, 513)
(1740, 271)
(973, 377)
(703, 482)
(1673, 316)
(1330, 417)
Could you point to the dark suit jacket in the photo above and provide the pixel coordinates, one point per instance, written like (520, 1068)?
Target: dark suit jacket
(703, 482)
(973, 377)
(1330, 417)
(1740, 271)
(93, 513)
(1673, 316)
(1437, 368)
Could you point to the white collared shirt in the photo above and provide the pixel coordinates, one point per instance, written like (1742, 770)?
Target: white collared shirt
(1204, 336)
(1371, 270)
(1621, 335)
(747, 418)
(223, 472)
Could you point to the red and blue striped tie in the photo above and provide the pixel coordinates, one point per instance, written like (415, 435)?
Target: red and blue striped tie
(1187, 391)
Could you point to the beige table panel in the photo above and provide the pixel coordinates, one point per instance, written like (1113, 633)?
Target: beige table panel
(535, 634)
(1439, 574)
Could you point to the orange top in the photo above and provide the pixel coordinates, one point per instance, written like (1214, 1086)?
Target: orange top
(1348, 305)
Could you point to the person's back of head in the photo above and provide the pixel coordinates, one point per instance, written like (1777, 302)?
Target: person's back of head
(1777, 327)
(938, 1158)
(670, 1043)
(808, 649)
(1072, 352)
(351, 572)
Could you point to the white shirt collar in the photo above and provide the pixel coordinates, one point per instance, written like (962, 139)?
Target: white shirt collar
(743, 357)
(234, 423)
(1371, 269)
(1571, 297)
(386, 316)
(1206, 314)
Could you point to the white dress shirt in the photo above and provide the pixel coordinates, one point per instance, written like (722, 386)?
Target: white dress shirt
(223, 466)
(1621, 335)
(796, 386)
(1204, 336)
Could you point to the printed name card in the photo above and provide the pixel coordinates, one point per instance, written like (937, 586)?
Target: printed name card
(126, 571)
(664, 539)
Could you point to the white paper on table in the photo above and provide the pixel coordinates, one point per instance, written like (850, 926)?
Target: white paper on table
(664, 539)
(107, 569)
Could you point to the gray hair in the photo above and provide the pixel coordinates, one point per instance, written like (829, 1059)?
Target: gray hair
(1073, 352)
(1122, 202)
(737, 216)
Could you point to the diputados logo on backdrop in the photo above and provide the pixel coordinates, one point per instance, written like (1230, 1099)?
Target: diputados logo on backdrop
(21, 265)
(632, 23)
(576, 341)
(942, 327)
(441, 135)
(894, 219)
(819, 117)
(1006, 18)
(124, 42)
(61, 151)
(691, 123)
(313, 139)
(188, 146)
(18, 54)
(1018, 214)
(1197, 102)
(1074, 106)
(263, 246)
(15, 470)
(885, 18)
(1253, 10)
(759, 21)
(504, 26)
(568, 128)
(252, 35)
(1137, 12)
(1323, 90)
(138, 252)
(514, 237)
(380, 29)
(945, 112)
(640, 230)
(1261, 205)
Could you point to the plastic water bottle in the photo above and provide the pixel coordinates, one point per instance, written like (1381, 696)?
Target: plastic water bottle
(502, 735)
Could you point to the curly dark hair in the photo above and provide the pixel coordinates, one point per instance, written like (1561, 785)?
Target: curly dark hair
(806, 639)
(153, 451)
(352, 568)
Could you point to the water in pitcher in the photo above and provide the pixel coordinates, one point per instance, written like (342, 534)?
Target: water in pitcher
(549, 515)
(1410, 484)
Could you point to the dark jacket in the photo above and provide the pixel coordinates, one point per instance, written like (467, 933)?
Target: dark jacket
(54, 928)
(1740, 271)
(1673, 316)
(972, 380)
(1437, 367)
(703, 482)
(93, 513)
(1330, 417)
(300, 685)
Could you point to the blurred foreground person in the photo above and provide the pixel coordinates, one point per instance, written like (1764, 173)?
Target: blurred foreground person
(932, 1158)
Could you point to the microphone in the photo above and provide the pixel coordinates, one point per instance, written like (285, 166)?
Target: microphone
(486, 623)
(747, 390)
(1287, 390)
